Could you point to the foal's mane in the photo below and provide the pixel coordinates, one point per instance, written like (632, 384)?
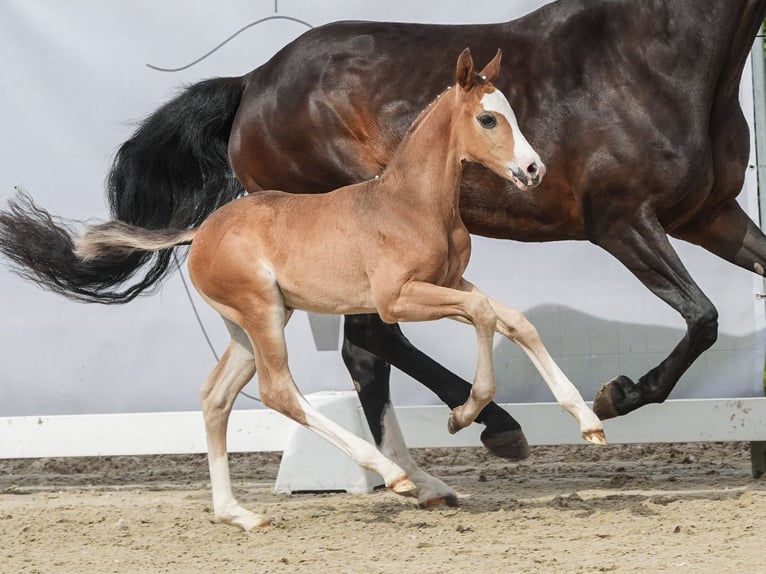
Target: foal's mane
(477, 80)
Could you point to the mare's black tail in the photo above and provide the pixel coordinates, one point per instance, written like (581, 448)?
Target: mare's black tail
(172, 173)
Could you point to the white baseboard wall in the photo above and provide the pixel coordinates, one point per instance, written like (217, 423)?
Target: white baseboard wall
(423, 427)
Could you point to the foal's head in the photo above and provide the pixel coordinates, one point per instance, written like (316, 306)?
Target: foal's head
(489, 132)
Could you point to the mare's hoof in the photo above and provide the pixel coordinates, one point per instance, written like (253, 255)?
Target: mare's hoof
(509, 444)
(604, 404)
(439, 501)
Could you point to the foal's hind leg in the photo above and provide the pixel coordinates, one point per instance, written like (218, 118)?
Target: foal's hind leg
(264, 323)
(385, 427)
(235, 368)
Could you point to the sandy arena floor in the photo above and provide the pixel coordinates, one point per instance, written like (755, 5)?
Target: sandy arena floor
(641, 508)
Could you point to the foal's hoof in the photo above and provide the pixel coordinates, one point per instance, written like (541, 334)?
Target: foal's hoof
(595, 436)
(452, 424)
(247, 521)
(440, 501)
(510, 444)
(403, 486)
(604, 404)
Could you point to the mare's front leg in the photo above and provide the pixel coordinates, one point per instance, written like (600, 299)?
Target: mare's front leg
(420, 301)
(643, 247)
(370, 345)
(384, 425)
(233, 371)
(516, 327)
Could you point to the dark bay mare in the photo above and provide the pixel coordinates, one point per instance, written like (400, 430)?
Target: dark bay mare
(632, 104)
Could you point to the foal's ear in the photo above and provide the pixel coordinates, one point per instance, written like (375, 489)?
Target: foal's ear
(464, 70)
(491, 70)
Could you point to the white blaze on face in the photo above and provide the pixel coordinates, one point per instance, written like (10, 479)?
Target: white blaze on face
(496, 102)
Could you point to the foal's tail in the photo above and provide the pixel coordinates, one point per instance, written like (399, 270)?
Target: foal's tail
(86, 267)
(171, 174)
(116, 238)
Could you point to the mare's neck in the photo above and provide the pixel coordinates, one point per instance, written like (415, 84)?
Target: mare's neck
(425, 168)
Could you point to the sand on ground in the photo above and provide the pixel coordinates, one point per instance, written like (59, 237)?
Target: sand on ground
(638, 508)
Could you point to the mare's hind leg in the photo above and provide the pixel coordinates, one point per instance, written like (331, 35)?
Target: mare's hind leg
(385, 427)
(370, 344)
(235, 368)
(643, 247)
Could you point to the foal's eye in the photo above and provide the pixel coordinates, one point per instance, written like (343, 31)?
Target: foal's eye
(487, 121)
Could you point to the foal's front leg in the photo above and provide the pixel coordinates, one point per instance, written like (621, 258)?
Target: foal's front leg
(369, 345)
(516, 327)
(421, 301)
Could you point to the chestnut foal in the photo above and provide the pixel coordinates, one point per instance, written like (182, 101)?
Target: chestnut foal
(394, 245)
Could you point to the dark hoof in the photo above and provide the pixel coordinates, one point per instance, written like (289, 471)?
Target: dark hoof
(440, 501)
(452, 425)
(510, 444)
(604, 405)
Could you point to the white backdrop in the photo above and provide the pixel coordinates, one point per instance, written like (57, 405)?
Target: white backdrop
(76, 77)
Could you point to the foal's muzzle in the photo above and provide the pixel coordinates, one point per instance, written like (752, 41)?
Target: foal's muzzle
(531, 175)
